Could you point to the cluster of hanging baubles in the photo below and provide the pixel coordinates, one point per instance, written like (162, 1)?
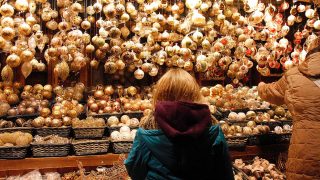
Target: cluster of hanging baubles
(203, 36)
(19, 38)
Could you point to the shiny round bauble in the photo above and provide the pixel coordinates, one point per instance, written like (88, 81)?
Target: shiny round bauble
(56, 114)
(52, 25)
(45, 112)
(301, 8)
(85, 25)
(31, 20)
(138, 74)
(197, 36)
(38, 122)
(154, 71)
(249, 43)
(198, 19)
(7, 22)
(76, 7)
(310, 13)
(47, 94)
(13, 60)
(193, 4)
(24, 29)
(64, 26)
(12, 99)
(6, 10)
(26, 55)
(98, 94)
(41, 66)
(47, 87)
(97, 7)
(47, 121)
(94, 64)
(72, 113)
(66, 121)
(89, 48)
(7, 33)
(110, 67)
(98, 41)
(56, 123)
(21, 5)
(316, 25)
(12, 112)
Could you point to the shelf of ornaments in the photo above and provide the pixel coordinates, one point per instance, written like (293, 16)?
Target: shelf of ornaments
(103, 93)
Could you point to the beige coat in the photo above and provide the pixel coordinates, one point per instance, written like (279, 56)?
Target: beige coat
(302, 96)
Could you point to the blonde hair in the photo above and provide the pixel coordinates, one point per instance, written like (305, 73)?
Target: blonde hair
(177, 85)
(174, 85)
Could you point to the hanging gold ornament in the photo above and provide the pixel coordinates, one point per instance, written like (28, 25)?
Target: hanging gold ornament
(26, 55)
(120, 64)
(24, 29)
(6, 10)
(52, 25)
(8, 33)
(62, 70)
(31, 20)
(26, 69)
(7, 74)
(110, 67)
(21, 5)
(125, 32)
(13, 60)
(7, 22)
(94, 64)
(85, 25)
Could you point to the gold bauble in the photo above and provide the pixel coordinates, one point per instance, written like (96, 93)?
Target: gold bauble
(13, 60)
(7, 22)
(89, 48)
(26, 69)
(6, 10)
(24, 29)
(31, 20)
(94, 64)
(8, 33)
(7, 74)
(21, 5)
(52, 25)
(26, 55)
(85, 25)
(64, 26)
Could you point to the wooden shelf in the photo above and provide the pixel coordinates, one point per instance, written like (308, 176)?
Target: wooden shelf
(70, 163)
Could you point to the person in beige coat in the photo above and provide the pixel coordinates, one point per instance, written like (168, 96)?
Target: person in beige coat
(299, 89)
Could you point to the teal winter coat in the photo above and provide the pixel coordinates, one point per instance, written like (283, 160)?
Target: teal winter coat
(155, 157)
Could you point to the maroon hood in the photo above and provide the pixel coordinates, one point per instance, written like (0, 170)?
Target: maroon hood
(182, 120)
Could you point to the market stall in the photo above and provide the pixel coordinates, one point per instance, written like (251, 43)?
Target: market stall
(78, 76)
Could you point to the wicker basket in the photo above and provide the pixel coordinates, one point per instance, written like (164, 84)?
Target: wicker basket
(89, 147)
(271, 124)
(237, 141)
(50, 150)
(88, 133)
(237, 122)
(15, 152)
(60, 131)
(120, 147)
(14, 129)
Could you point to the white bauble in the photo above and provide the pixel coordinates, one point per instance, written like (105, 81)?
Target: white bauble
(124, 129)
(115, 136)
